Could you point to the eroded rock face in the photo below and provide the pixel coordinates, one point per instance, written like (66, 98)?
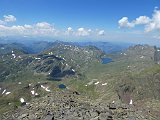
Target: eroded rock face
(157, 55)
(65, 105)
(124, 92)
(51, 66)
(136, 52)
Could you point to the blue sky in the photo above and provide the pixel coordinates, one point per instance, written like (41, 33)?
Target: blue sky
(82, 19)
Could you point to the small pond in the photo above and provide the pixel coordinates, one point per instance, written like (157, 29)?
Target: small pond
(62, 86)
(106, 60)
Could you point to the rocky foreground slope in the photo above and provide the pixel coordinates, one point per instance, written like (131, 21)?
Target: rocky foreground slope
(70, 105)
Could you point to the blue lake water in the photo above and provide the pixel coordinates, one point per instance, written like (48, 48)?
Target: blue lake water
(62, 86)
(106, 60)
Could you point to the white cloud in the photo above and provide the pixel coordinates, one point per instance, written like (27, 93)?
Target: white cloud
(123, 22)
(150, 27)
(101, 32)
(28, 26)
(39, 29)
(44, 25)
(156, 7)
(69, 29)
(150, 24)
(17, 28)
(82, 32)
(155, 22)
(44, 29)
(13, 30)
(89, 30)
(142, 20)
(9, 18)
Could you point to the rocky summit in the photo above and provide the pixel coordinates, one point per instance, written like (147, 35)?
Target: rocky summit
(71, 82)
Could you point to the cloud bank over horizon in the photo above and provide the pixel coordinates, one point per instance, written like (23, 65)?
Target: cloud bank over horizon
(150, 24)
(43, 29)
(125, 31)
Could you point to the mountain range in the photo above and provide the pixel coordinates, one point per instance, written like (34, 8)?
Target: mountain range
(127, 87)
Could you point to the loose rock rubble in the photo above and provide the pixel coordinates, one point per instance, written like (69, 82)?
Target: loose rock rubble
(66, 105)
